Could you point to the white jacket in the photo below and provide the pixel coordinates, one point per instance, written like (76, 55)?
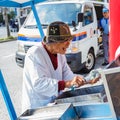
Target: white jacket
(40, 80)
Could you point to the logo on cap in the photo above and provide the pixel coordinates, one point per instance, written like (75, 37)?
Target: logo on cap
(54, 30)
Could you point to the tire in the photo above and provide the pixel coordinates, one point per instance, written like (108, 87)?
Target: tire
(90, 62)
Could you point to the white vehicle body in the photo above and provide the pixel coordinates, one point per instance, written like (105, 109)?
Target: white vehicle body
(84, 48)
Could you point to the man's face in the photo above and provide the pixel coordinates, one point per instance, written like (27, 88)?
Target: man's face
(106, 14)
(61, 47)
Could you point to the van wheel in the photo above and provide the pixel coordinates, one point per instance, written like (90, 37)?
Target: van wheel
(90, 62)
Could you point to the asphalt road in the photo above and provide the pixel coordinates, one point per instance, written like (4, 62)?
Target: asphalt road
(13, 77)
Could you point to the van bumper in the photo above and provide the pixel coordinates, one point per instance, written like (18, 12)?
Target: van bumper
(19, 58)
(74, 61)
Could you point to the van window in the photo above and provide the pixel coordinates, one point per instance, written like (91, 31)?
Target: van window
(48, 13)
(88, 15)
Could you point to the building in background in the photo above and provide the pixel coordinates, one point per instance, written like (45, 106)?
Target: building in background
(22, 14)
(14, 14)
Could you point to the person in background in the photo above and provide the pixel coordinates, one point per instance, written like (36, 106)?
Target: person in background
(88, 18)
(46, 72)
(104, 27)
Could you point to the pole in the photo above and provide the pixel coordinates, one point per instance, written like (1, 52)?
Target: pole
(114, 38)
(6, 22)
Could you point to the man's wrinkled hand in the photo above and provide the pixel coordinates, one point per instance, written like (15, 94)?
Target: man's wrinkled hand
(94, 80)
(77, 81)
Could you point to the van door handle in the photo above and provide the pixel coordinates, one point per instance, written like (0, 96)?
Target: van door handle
(94, 31)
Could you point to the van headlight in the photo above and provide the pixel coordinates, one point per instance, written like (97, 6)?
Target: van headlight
(73, 48)
(21, 47)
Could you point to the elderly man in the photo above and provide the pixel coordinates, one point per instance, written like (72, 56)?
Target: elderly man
(104, 27)
(46, 71)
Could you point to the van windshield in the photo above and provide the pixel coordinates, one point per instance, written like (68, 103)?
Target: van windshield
(66, 12)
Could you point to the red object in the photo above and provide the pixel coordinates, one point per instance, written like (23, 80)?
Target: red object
(114, 38)
(61, 85)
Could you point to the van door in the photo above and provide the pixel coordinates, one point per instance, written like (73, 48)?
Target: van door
(91, 44)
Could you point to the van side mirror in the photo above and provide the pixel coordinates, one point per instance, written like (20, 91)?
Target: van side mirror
(80, 17)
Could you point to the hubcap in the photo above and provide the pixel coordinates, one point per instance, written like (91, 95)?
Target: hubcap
(90, 61)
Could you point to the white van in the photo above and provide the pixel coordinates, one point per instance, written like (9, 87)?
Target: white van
(85, 46)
